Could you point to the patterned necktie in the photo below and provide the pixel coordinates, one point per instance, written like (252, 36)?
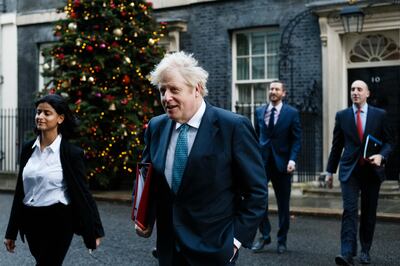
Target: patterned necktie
(271, 122)
(180, 157)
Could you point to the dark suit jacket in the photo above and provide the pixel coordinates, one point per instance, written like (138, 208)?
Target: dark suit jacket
(87, 220)
(223, 191)
(345, 137)
(285, 140)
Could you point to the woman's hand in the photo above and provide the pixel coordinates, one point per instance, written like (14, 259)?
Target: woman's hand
(98, 241)
(10, 245)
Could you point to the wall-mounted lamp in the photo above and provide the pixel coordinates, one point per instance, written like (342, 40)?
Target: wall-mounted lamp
(352, 18)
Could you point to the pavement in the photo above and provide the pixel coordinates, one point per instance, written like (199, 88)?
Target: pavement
(307, 199)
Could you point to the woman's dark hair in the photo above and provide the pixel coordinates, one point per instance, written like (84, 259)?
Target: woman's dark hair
(68, 126)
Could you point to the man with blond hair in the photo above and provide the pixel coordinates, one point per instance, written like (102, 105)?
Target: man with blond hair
(207, 170)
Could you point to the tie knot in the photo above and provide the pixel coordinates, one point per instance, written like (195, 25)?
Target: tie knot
(183, 128)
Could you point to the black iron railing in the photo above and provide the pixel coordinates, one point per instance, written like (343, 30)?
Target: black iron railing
(15, 127)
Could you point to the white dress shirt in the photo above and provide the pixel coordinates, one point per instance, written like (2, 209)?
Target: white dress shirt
(43, 180)
(363, 114)
(194, 124)
(278, 109)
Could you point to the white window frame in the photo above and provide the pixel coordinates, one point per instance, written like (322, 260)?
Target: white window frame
(41, 62)
(251, 81)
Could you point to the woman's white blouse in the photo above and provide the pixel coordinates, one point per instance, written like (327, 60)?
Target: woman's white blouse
(43, 180)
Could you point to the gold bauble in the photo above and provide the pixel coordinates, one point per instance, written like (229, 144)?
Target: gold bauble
(117, 32)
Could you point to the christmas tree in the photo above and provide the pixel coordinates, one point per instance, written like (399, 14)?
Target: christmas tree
(101, 64)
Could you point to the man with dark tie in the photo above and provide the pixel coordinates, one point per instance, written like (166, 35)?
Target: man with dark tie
(278, 127)
(356, 174)
(209, 180)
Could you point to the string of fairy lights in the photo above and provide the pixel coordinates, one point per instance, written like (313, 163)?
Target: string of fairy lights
(105, 52)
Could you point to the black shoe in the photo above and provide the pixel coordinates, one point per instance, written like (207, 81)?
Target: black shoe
(344, 260)
(364, 258)
(281, 248)
(154, 253)
(259, 245)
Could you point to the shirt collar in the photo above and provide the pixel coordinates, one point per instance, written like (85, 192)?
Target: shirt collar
(364, 108)
(277, 108)
(196, 119)
(54, 147)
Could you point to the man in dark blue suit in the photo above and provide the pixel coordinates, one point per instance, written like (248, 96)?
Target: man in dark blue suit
(279, 130)
(209, 182)
(358, 174)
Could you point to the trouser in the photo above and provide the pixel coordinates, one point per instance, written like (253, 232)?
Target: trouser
(48, 231)
(361, 180)
(281, 183)
(178, 259)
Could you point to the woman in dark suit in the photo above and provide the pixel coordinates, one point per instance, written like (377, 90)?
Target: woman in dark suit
(52, 200)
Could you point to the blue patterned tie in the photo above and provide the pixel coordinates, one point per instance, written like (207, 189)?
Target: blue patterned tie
(180, 157)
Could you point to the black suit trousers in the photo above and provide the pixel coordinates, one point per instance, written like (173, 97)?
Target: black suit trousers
(360, 181)
(48, 231)
(282, 184)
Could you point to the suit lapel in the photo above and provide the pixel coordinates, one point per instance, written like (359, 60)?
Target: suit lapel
(165, 135)
(368, 122)
(351, 123)
(281, 117)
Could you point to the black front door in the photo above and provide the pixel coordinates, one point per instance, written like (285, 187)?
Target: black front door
(384, 85)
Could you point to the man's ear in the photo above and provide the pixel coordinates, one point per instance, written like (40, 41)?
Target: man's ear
(198, 90)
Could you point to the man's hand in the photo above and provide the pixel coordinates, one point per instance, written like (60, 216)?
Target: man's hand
(329, 181)
(291, 167)
(375, 159)
(143, 233)
(10, 245)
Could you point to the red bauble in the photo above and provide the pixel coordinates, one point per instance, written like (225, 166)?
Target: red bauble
(89, 48)
(72, 15)
(117, 57)
(77, 2)
(97, 68)
(126, 80)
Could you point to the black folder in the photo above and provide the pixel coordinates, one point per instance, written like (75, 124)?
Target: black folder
(372, 146)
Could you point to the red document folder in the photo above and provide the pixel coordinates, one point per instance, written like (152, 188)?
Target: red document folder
(141, 195)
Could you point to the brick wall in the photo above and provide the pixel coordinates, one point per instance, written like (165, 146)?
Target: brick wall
(208, 37)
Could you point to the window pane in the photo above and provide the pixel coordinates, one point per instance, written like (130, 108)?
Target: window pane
(272, 69)
(243, 105)
(242, 44)
(244, 93)
(258, 68)
(273, 43)
(260, 93)
(242, 68)
(257, 43)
